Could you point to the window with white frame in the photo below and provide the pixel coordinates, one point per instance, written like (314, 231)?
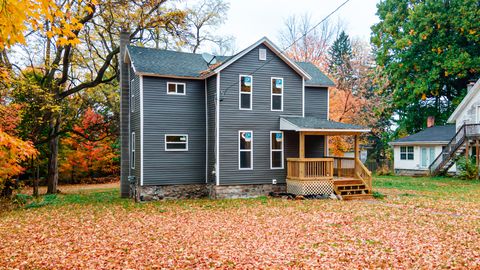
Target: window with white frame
(174, 88)
(132, 152)
(406, 153)
(262, 54)
(132, 97)
(276, 150)
(176, 142)
(245, 92)
(245, 147)
(277, 94)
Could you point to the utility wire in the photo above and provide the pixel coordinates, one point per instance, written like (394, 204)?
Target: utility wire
(293, 43)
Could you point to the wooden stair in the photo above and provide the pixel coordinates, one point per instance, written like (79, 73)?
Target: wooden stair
(352, 189)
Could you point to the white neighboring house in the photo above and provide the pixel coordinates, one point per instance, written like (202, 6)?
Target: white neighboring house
(468, 111)
(412, 155)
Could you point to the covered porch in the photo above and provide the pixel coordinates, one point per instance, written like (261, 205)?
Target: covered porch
(314, 172)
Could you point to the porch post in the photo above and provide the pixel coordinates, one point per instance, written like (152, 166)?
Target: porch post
(301, 154)
(356, 155)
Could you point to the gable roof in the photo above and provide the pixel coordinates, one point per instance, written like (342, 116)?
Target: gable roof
(149, 61)
(432, 135)
(318, 78)
(174, 64)
(471, 93)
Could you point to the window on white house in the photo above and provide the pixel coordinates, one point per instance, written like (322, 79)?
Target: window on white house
(176, 142)
(406, 152)
(245, 92)
(132, 152)
(245, 147)
(277, 94)
(176, 88)
(276, 150)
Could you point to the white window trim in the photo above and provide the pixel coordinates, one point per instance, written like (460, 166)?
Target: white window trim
(132, 150)
(245, 150)
(246, 93)
(277, 150)
(272, 94)
(176, 88)
(175, 150)
(407, 152)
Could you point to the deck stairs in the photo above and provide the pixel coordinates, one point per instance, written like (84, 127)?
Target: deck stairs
(352, 189)
(465, 138)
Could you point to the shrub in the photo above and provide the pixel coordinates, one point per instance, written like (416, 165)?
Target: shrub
(384, 170)
(467, 168)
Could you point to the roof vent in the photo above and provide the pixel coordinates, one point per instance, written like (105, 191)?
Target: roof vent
(262, 54)
(210, 59)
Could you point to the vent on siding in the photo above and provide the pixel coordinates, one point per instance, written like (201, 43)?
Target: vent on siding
(262, 54)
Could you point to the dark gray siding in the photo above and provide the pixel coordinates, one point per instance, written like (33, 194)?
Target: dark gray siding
(314, 146)
(316, 102)
(261, 120)
(173, 114)
(135, 126)
(211, 94)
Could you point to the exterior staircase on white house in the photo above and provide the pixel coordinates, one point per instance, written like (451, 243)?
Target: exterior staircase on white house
(467, 137)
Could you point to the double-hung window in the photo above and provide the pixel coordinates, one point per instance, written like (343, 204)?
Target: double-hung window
(174, 88)
(277, 94)
(132, 152)
(276, 150)
(176, 142)
(132, 97)
(245, 150)
(245, 92)
(406, 153)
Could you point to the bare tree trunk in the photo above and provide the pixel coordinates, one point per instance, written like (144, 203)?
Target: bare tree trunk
(52, 176)
(36, 179)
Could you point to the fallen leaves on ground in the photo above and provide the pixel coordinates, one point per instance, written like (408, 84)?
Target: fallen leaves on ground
(399, 232)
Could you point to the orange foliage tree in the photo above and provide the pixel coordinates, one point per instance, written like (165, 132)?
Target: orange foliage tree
(89, 151)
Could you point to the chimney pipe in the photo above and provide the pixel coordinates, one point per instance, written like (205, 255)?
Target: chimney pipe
(430, 121)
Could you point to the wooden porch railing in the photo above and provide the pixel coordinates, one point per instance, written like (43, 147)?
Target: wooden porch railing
(343, 166)
(309, 168)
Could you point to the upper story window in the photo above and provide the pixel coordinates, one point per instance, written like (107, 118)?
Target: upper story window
(245, 147)
(176, 88)
(132, 97)
(406, 152)
(245, 92)
(277, 94)
(176, 142)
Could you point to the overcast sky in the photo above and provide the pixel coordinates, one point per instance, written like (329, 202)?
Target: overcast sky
(249, 20)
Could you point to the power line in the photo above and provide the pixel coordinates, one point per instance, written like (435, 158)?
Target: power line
(293, 43)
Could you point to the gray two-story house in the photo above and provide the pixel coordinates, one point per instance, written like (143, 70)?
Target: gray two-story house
(229, 126)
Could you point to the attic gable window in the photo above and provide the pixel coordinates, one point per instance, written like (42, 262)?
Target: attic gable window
(245, 92)
(174, 88)
(262, 54)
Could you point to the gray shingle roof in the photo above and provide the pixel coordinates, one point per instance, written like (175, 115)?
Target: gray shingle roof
(165, 62)
(309, 122)
(440, 134)
(182, 64)
(318, 78)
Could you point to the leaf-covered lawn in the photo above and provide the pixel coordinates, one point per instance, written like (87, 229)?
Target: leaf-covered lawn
(413, 227)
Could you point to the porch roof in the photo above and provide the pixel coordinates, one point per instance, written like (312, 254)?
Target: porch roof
(315, 124)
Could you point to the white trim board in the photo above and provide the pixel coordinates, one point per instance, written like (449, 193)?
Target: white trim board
(217, 131)
(141, 130)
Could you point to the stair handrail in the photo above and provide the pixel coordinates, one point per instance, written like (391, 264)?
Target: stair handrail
(361, 168)
(448, 148)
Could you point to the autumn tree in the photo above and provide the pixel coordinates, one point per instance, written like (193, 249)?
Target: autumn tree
(428, 51)
(80, 52)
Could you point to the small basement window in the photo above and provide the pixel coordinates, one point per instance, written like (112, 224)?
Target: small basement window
(245, 92)
(406, 153)
(176, 88)
(176, 142)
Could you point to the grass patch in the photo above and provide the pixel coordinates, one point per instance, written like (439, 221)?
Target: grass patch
(433, 184)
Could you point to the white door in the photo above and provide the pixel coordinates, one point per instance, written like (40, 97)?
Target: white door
(424, 157)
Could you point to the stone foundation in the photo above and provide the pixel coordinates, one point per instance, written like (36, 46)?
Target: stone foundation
(408, 172)
(155, 193)
(244, 191)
